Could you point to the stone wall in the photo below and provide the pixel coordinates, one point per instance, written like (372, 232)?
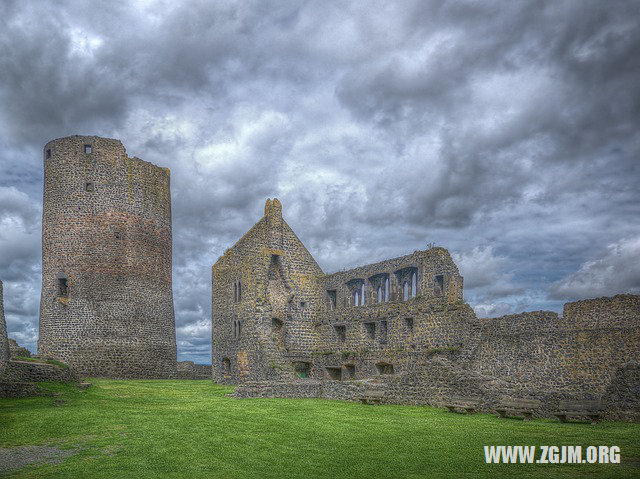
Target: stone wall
(29, 371)
(17, 351)
(292, 319)
(265, 296)
(107, 305)
(4, 345)
(402, 324)
(579, 352)
(190, 370)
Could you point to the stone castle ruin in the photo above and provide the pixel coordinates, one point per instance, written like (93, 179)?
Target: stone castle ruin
(283, 328)
(397, 330)
(107, 305)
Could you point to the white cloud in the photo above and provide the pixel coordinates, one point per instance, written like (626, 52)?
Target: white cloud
(616, 271)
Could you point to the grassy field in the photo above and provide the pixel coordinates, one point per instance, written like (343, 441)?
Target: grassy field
(190, 429)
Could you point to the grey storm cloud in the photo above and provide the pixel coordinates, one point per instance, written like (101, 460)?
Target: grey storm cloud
(504, 131)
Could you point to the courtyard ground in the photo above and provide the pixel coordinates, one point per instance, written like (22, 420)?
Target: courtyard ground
(191, 429)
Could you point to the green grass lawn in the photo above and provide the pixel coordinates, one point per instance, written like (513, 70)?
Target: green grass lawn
(190, 429)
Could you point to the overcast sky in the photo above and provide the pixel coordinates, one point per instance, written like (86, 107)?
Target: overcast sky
(507, 132)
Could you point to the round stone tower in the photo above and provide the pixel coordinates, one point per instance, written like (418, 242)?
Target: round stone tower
(107, 305)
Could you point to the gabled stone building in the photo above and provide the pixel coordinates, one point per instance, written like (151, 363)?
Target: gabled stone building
(276, 315)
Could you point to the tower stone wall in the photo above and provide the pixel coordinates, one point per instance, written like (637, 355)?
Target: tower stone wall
(106, 305)
(4, 344)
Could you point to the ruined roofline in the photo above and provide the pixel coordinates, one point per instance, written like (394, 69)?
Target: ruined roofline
(231, 248)
(264, 219)
(417, 253)
(268, 206)
(112, 140)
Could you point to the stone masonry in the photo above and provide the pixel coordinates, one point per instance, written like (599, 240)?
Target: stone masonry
(283, 328)
(17, 351)
(17, 378)
(4, 344)
(107, 305)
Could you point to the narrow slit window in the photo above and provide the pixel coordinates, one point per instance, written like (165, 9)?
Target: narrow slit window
(414, 285)
(331, 298)
(439, 284)
(87, 149)
(341, 332)
(226, 364)
(48, 153)
(63, 288)
(405, 291)
(379, 294)
(383, 332)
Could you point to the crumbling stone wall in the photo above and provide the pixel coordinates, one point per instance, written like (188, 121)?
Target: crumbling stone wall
(17, 351)
(265, 294)
(190, 370)
(107, 305)
(4, 345)
(17, 377)
(579, 352)
(28, 371)
(293, 320)
(402, 324)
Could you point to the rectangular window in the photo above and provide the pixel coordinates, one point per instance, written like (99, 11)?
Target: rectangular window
(63, 290)
(370, 329)
(87, 148)
(302, 369)
(408, 325)
(439, 284)
(383, 332)
(88, 186)
(332, 295)
(349, 371)
(341, 331)
(334, 373)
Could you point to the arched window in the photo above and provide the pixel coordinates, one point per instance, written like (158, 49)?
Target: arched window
(379, 294)
(414, 285)
(226, 364)
(235, 292)
(362, 295)
(386, 291)
(239, 291)
(355, 298)
(405, 292)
